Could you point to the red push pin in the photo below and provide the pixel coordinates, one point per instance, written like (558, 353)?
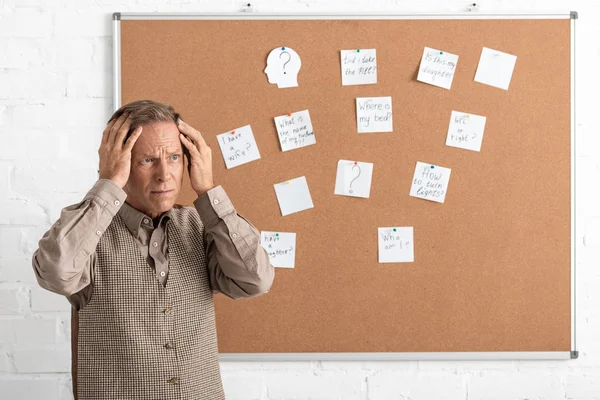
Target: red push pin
(355, 162)
(289, 114)
(233, 132)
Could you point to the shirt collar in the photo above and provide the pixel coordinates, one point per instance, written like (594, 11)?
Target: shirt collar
(134, 219)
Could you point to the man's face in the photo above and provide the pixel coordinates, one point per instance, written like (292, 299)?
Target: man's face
(156, 169)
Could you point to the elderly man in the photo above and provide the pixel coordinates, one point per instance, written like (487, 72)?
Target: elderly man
(141, 271)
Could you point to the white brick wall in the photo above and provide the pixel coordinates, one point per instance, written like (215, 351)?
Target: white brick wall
(55, 96)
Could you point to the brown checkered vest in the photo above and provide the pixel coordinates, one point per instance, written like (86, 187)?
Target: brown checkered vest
(140, 340)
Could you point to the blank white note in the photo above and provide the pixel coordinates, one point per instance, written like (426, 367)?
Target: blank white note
(238, 146)
(281, 247)
(396, 245)
(465, 131)
(495, 68)
(359, 67)
(293, 196)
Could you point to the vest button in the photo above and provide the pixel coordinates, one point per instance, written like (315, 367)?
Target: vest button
(174, 381)
(168, 310)
(169, 346)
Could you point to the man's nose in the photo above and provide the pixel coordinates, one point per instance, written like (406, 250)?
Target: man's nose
(163, 174)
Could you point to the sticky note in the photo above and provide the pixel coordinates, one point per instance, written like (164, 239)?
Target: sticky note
(295, 130)
(396, 245)
(437, 68)
(293, 196)
(281, 247)
(359, 67)
(465, 131)
(353, 178)
(238, 146)
(430, 182)
(495, 68)
(374, 114)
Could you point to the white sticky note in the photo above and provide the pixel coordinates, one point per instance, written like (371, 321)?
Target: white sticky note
(495, 68)
(293, 196)
(353, 178)
(295, 130)
(430, 182)
(238, 146)
(396, 245)
(359, 67)
(374, 114)
(281, 247)
(437, 68)
(465, 131)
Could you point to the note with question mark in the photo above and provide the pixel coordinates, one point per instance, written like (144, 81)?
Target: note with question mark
(353, 178)
(238, 146)
(283, 67)
(285, 55)
(281, 247)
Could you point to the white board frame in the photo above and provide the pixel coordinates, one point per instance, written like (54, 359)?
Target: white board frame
(417, 356)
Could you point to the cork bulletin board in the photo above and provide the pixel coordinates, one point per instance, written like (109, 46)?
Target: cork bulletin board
(492, 270)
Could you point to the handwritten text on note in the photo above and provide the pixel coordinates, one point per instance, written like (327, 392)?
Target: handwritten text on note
(437, 68)
(238, 146)
(374, 114)
(359, 67)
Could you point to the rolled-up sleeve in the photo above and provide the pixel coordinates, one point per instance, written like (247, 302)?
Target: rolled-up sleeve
(238, 266)
(64, 261)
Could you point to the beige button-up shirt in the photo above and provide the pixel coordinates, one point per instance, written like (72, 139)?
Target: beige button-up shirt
(64, 263)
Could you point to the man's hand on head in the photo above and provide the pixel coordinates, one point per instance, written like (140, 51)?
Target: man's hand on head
(115, 152)
(200, 163)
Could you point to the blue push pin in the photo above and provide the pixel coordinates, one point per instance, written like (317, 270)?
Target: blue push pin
(394, 229)
(432, 167)
(283, 48)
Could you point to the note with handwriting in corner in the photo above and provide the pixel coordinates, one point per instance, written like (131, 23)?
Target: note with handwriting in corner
(465, 131)
(396, 245)
(281, 247)
(238, 146)
(293, 196)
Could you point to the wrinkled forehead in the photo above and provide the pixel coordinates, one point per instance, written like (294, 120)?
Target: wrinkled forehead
(158, 136)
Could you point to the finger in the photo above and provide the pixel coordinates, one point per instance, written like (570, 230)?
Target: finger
(194, 135)
(116, 126)
(189, 145)
(132, 139)
(122, 132)
(106, 133)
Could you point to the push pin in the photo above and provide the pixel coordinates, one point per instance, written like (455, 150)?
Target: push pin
(473, 7)
(249, 8)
